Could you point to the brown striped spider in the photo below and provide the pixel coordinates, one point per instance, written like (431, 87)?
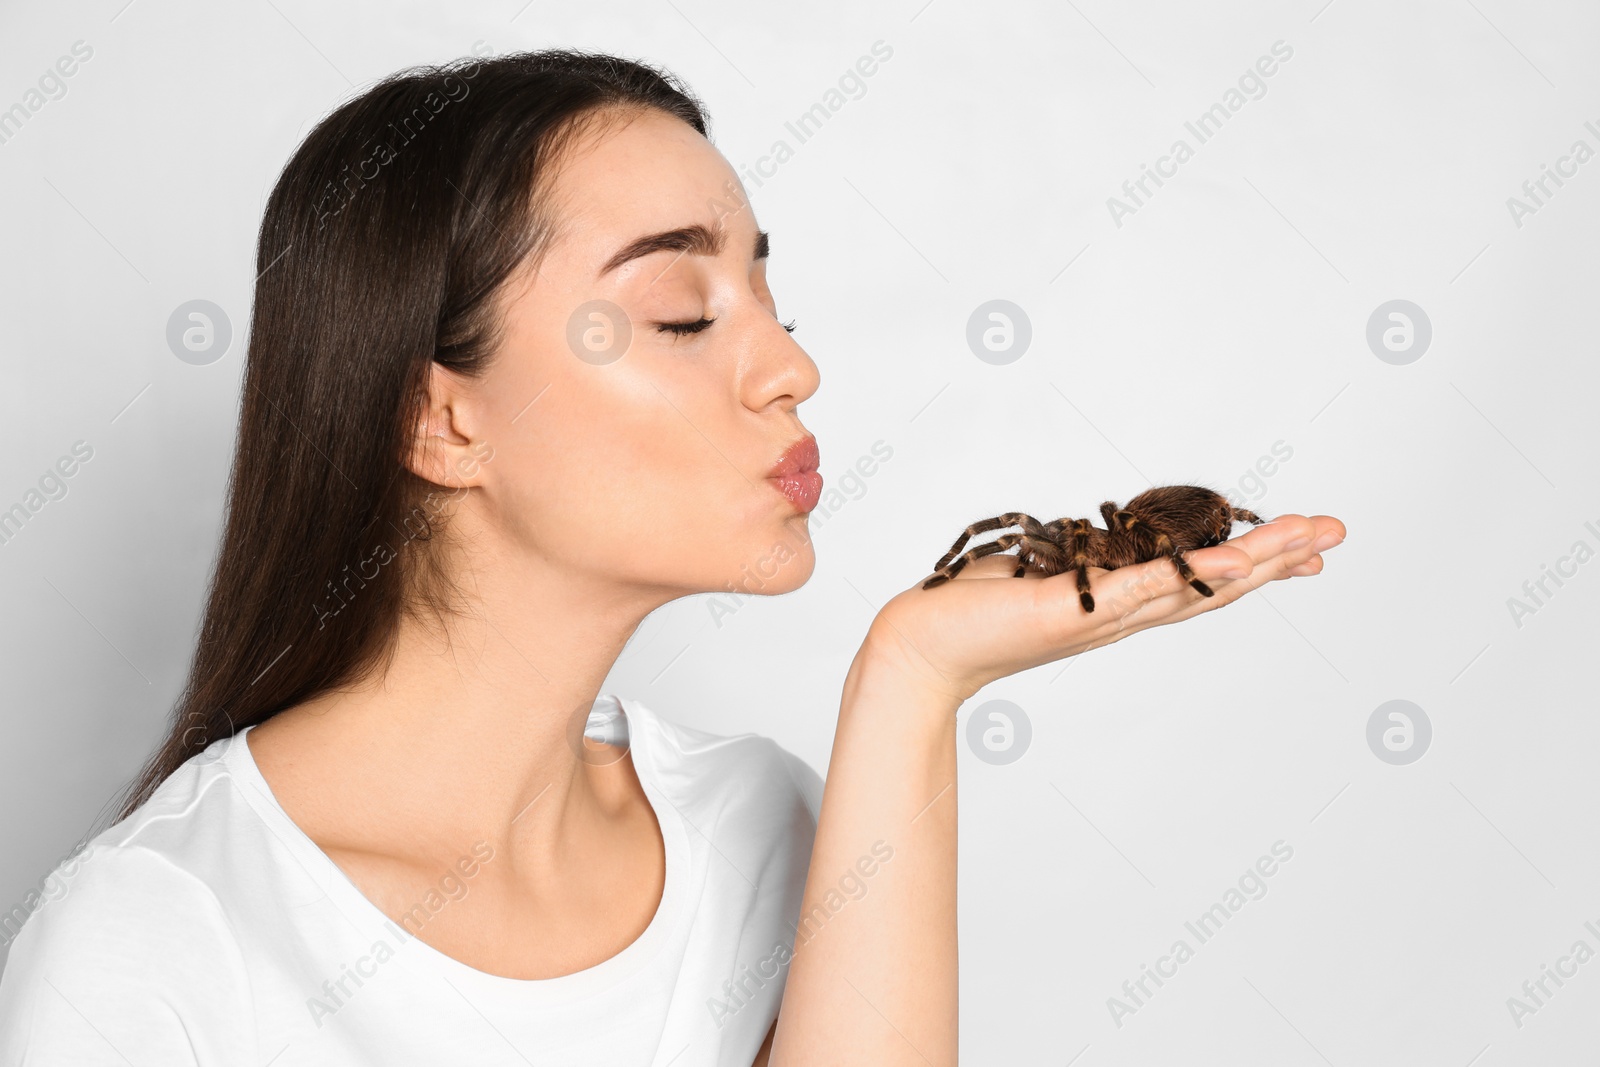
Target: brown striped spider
(1160, 523)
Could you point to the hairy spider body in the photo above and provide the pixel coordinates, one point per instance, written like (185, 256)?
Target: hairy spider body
(1160, 523)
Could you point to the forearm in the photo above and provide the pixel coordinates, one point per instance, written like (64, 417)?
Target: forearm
(873, 978)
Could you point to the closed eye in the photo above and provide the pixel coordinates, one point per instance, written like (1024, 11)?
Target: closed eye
(681, 328)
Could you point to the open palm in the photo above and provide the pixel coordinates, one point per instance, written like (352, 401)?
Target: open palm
(966, 633)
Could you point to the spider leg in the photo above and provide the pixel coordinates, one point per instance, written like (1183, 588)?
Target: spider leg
(999, 544)
(1243, 515)
(999, 522)
(1085, 598)
(1165, 546)
(1022, 558)
(1045, 552)
(1037, 541)
(1032, 525)
(1079, 539)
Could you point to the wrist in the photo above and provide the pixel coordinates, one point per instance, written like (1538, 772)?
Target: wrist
(890, 660)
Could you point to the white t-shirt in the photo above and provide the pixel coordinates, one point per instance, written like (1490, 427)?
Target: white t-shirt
(207, 929)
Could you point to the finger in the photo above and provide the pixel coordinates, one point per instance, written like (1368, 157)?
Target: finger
(1308, 568)
(1326, 532)
(1302, 563)
(1220, 561)
(1146, 594)
(1270, 539)
(1323, 533)
(1135, 589)
(1129, 588)
(1330, 532)
(998, 565)
(1276, 548)
(1140, 595)
(1217, 567)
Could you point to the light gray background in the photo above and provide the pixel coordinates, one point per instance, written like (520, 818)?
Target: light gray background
(1229, 313)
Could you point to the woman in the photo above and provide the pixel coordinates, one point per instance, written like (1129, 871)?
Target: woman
(515, 380)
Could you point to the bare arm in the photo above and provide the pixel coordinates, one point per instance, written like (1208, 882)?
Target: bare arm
(873, 979)
(874, 974)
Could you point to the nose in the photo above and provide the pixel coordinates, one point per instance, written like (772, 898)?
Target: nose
(779, 372)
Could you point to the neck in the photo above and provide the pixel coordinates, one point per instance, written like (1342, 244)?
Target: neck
(478, 734)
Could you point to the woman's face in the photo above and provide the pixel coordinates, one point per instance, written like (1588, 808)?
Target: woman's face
(623, 450)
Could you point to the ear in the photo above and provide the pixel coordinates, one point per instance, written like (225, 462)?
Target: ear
(445, 450)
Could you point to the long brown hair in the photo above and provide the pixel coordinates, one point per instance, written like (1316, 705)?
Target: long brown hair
(381, 251)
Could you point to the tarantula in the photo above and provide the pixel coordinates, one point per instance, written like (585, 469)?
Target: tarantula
(1164, 522)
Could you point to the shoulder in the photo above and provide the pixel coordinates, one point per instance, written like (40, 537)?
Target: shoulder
(745, 771)
(140, 867)
(121, 945)
(126, 941)
(98, 895)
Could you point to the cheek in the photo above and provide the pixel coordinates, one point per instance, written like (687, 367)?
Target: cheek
(622, 478)
(644, 470)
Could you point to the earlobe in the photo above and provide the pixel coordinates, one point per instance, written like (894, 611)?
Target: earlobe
(426, 444)
(442, 449)
(442, 454)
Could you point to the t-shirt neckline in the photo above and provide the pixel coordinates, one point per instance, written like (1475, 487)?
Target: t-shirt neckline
(370, 919)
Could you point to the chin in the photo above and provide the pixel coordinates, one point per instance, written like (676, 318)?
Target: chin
(781, 563)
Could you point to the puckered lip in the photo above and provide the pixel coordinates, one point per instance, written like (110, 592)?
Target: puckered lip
(798, 458)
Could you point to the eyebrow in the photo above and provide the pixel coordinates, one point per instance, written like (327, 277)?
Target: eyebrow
(695, 239)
